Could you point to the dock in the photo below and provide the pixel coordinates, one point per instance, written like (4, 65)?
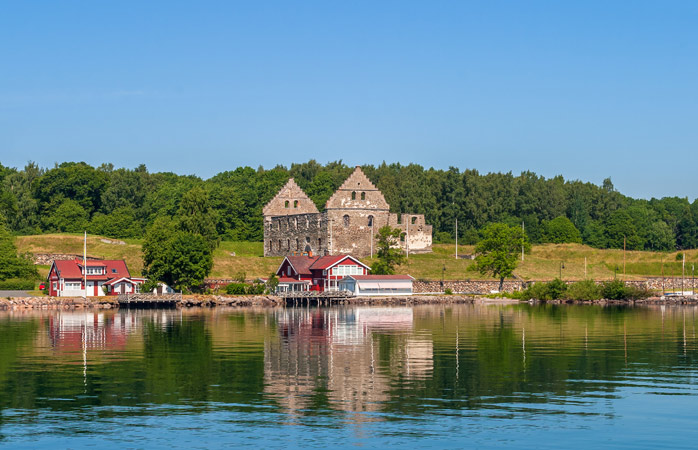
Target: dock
(148, 300)
(300, 298)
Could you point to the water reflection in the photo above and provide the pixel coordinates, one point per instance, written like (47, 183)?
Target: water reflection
(357, 365)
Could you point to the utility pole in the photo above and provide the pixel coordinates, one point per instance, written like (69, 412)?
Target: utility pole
(84, 263)
(624, 257)
(407, 242)
(456, 237)
(683, 271)
(523, 233)
(372, 236)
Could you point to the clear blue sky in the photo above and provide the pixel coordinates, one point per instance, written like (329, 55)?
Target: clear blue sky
(583, 89)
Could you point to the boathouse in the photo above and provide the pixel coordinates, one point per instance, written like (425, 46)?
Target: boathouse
(317, 273)
(372, 285)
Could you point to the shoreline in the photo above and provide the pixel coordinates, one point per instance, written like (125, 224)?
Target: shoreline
(212, 301)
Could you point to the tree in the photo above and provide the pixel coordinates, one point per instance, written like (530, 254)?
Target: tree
(196, 216)
(561, 230)
(389, 252)
(180, 259)
(13, 265)
(499, 251)
(69, 217)
(120, 223)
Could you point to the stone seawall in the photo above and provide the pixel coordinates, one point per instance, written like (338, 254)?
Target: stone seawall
(666, 284)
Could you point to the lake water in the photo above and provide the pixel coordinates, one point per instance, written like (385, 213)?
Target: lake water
(429, 376)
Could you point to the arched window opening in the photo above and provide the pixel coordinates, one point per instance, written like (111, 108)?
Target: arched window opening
(370, 221)
(402, 237)
(363, 196)
(319, 244)
(298, 244)
(414, 220)
(346, 220)
(288, 244)
(353, 195)
(279, 244)
(295, 203)
(286, 204)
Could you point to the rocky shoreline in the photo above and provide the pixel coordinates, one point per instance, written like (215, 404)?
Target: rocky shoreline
(209, 301)
(193, 301)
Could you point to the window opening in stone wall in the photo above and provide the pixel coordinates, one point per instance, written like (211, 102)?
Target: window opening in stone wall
(295, 203)
(414, 220)
(363, 196)
(370, 221)
(346, 220)
(399, 220)
(353, 195)
(307, 239)
(286, 204)
(279, 244)
(295, 223)
(288, 244)
(402, 237)
(298, 244)
(319, 243)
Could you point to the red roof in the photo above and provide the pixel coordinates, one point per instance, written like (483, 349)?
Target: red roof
(291, 280)
(71, 269)
(325, 262)
(380, 277)
(301, 264)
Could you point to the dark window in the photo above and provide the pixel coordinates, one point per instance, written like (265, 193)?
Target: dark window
(346, 220)
(370, 221)
(298, 244)
(414, 220)
(286, 204)
(307, 239)
(113, 271)
(353, 195)
(295, 203)
(319, 243)
(363, 196)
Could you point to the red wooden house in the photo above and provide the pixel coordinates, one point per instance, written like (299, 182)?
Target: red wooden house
(317, 273)
(67, 278)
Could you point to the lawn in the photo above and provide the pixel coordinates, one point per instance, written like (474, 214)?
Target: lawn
(544, 262)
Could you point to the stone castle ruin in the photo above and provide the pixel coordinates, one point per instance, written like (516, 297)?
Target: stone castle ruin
(352, 217)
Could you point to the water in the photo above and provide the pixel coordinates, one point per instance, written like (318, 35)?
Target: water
(430, 376)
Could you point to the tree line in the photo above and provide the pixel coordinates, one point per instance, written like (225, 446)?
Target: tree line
(126, 203)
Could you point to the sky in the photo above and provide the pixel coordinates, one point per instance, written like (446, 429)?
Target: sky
(587, 90)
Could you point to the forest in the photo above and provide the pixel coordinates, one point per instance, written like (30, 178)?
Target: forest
(124, 203)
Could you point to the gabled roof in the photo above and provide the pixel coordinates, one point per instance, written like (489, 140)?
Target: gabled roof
(290, 193)
(327, 262)
(70, 269)
(357, 181)
(301, 264)
(126, 279)
(292, 280)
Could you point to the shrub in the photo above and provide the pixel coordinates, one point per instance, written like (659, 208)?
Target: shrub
(584, 290)
(556, 289)
(614, 290)
(17, 284)
(553, 290)
(236, 289)
(448, 291)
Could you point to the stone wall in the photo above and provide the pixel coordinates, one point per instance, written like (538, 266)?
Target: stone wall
(45, 259)
(301, 233)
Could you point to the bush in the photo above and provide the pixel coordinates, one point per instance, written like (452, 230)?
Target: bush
(236, 289)
(554, 290)
(584, 290)
(448, 291)
(613, 290)
(17, 284)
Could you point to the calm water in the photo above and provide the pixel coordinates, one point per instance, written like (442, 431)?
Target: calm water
(432, 376)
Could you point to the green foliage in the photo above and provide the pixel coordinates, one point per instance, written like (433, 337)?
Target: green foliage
(272, 283)
(553, 290)
(499, 250)
(120, 223)
(388, 251)
(448, 291)
(228, 206)
(443, 237)
(19, 284)
(236, 289)
(561, 230)
(618, 290)
(12, 265)
(68, 217)
(179, 259)
(584, 290)
(679, 256)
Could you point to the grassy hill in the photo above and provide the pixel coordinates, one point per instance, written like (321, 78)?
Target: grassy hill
(232, 258)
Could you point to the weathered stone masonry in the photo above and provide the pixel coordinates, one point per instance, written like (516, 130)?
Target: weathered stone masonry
(352, 217)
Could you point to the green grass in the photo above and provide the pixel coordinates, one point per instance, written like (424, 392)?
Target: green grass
(543, 263)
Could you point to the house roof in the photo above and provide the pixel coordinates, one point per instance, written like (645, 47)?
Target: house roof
(326, 262)
(70, 269)
(292, 280)
(380, 277)
(301, 264)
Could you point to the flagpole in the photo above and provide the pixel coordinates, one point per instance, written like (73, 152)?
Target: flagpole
(84, 263)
